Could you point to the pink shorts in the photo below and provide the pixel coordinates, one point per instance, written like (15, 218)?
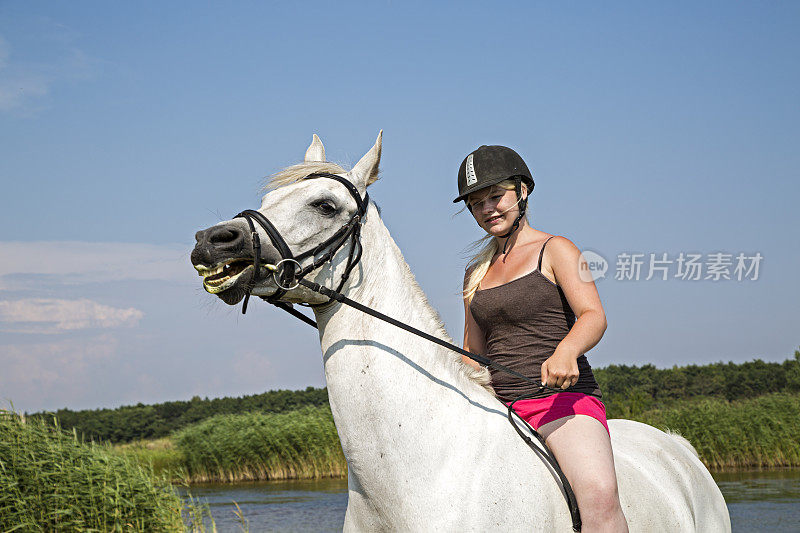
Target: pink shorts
(539, 411)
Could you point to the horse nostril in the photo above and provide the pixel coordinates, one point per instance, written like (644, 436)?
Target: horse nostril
(224, 235)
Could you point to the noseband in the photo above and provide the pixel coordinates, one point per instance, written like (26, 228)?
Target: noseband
(288, 272)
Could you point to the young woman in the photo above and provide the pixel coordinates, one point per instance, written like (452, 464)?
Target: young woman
(527, 307)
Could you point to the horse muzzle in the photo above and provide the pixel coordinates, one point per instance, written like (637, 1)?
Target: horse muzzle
(223, 257)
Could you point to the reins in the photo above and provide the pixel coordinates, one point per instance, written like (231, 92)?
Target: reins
(288, 274)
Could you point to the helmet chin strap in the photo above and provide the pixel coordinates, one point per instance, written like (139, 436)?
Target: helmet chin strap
(522, 203)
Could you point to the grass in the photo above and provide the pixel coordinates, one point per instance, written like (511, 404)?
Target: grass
(300, 444)
(53, 482)
(761, 432)
(262, 446)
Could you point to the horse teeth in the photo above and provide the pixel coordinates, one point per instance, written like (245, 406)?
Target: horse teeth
(208, 272)
(217, 282)
(212, 272)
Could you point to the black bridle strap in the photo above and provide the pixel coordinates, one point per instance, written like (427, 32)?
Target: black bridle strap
(544, 452)
(295, 313)
(277, 241)
(272, 232)
(339, 297)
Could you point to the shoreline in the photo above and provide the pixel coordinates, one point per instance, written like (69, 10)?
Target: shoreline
(714, 472)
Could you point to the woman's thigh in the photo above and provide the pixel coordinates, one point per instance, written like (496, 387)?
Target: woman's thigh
(583, 449)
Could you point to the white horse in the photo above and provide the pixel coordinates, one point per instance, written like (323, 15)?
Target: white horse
(428, 446)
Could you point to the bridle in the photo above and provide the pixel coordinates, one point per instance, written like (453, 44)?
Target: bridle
(288, 272)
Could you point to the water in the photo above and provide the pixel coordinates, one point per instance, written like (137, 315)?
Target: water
(762, 501)
(281, 506)
(758, 501)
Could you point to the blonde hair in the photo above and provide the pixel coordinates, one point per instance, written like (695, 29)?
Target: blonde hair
(487, 247)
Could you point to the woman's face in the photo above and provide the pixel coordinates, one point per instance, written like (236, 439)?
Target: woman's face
(494, 209)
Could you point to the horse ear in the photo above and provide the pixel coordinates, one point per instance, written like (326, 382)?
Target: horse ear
(315, 152)
(365, 172)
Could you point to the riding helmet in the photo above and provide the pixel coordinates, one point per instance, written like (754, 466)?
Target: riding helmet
(489, 165)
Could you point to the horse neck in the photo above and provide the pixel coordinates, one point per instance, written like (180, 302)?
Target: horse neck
(385, 282)
(352, 340)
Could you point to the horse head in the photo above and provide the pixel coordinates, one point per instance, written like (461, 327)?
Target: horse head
(308, 216)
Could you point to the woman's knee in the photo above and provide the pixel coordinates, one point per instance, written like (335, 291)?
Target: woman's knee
(600, 495)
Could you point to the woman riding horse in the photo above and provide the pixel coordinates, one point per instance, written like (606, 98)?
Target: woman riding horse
(520, 308)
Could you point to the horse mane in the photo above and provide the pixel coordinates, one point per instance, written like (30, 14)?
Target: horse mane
(480, 375)
(297, 172)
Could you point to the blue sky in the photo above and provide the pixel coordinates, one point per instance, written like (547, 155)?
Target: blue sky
(124, 128)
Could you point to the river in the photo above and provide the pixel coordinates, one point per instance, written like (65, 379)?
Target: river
(758, 501)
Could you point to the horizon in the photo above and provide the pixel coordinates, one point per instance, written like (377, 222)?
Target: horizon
(795, 356)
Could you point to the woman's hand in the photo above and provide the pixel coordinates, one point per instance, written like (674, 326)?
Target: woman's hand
(560, 370)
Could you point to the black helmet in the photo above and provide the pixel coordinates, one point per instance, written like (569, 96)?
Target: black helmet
(489, 165)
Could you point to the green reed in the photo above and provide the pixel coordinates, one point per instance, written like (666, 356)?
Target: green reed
(159, 454)
(761, 432)
(50, 481)
(254, 446)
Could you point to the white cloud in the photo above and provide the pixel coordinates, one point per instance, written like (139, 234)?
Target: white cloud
(49, 316)
(75, 263)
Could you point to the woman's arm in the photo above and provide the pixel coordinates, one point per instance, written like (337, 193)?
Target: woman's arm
(561, 369)
(474, 338)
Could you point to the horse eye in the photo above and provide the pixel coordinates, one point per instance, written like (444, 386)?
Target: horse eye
(324, 207)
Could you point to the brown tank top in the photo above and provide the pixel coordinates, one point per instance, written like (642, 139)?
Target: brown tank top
(524, 320)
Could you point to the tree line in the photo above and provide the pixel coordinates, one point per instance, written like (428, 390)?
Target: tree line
(627, 392)
(134, 422)
(630, 390)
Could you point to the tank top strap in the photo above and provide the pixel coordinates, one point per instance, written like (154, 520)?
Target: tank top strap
(541, 254)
